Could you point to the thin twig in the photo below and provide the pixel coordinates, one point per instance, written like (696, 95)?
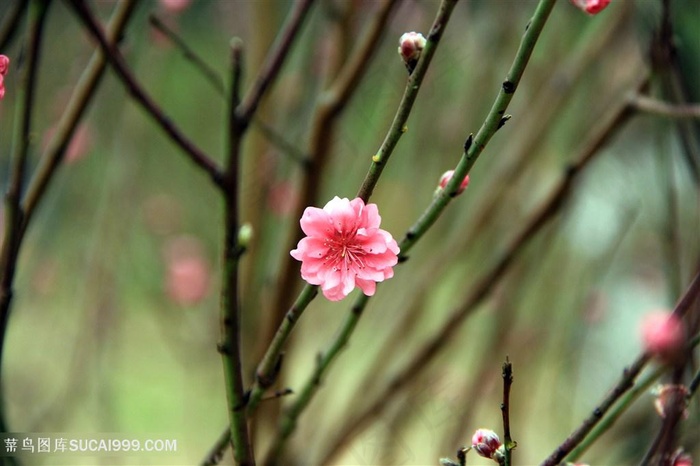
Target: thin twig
(661, 108)
(14, 214)
(207, 71)
(230, 346)
(625, 383)
(82, 94)
(505, 411)
(494, 120)
(10, 24)
(118, 63)
(398, 125)
(273, 63)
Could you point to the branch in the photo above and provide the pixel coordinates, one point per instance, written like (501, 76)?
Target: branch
(14, 215)
(230, 346)
(398, 125)
(505, 411)
(661, 108)
(270, 69)
(625, 383)
(494, 120)
(209, 73)
(75, 109)
(117, 61)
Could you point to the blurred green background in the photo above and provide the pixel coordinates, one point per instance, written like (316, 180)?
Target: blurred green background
(115, 320)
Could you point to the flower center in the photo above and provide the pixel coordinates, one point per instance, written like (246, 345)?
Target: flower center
(343, 252)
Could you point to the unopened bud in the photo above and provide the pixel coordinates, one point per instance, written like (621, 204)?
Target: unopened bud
(411, 45)
(669, 398)
(681, 458)
(447, 176)
(486, 443)
(4, 64)
(245, 234)
(591, 7)
(663, 335)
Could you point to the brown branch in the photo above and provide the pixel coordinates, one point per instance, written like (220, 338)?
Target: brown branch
(274, 61)
(14, 214)
(625, 383)
(119, 65)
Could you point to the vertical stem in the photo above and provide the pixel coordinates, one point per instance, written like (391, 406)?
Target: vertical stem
(230, 346)
(13, 209)
(505, 411)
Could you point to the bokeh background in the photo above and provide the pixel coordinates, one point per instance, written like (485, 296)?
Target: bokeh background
(115, 321)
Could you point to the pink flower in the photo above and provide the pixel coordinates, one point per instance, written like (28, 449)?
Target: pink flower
(447, 176)
(345, 248)
(591, 7)
(486, 443)
(663, 335)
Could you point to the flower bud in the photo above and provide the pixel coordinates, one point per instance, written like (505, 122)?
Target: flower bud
(4, 64)
(486, 443)
(447, 176)
(411, 45)
(245, 234)
(591, 7)
(681, 458)
(671, 397)
(663, 335)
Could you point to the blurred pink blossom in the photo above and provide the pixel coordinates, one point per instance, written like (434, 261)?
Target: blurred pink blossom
(345, 248)
(79, 144)
(681, 458)
(175, 6)
(187, 271)
(282, 197)
(591, 7)
(4, 65)
(663, 335)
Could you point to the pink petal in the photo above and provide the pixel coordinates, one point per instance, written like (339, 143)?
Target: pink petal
(367, 286)
(316, 222)
(343, 214)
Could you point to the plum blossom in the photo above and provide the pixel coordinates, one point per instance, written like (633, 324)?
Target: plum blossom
(345, 248)
(591, 7)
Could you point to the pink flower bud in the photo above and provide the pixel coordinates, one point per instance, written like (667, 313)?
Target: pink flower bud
(671, 397)
(447, 176)
(486, 443)
(4, 64)
(591, 7)
(681, 458)
(663, 335)
(411, 44)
